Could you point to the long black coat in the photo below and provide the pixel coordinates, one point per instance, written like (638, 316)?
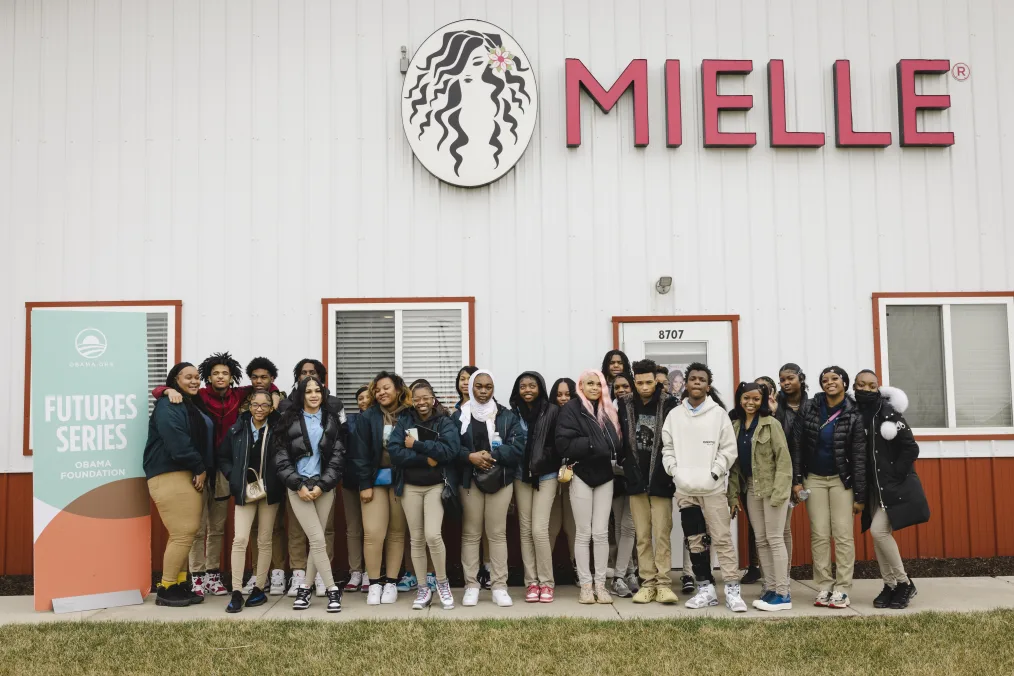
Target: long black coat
(891, 462)
(580, 440)
(849, 444)
(292, 443)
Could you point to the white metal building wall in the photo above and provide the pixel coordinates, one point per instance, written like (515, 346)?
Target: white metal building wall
(247, 157)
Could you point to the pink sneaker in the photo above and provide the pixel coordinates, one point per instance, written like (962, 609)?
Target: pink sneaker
(532, 595)
(545, 594)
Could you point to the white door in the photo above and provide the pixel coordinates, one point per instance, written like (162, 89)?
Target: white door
(676, 344)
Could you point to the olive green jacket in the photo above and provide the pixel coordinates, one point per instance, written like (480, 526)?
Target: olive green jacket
(771, 462)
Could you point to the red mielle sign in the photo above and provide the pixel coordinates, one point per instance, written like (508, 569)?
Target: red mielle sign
(635, 77)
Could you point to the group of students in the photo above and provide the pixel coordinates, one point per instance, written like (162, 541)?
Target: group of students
(619, 445)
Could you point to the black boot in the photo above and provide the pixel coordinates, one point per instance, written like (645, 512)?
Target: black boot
(883, 598)
(753, 575)
(902, 595)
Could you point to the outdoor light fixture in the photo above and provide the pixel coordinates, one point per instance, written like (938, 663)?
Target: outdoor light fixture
(663, 285)
(404, 59)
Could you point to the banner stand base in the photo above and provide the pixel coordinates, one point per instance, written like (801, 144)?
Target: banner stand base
(75, 604)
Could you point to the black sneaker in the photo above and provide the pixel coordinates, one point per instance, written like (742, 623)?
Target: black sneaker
(753, 576)
(257, 597)
(483, 578)
(236, 604)
(334, 599)
(172, 596)
(902, 595)
(689, 587)
(883, 599)
(302, 601)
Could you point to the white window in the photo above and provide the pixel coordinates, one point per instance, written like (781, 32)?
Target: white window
(952, 356)
(162, 322)
(413, 339)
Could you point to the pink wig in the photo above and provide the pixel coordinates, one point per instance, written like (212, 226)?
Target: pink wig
(607, 409)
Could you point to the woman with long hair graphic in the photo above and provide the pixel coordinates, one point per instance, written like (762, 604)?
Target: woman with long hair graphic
(469, 105)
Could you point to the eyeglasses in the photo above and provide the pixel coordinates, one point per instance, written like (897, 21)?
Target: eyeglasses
(260, 406)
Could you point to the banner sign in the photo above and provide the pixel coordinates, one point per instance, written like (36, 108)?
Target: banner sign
(89, 426)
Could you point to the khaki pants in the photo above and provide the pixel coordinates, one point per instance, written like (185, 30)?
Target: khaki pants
(179, 506)
(768, 524)
(892, 569)
(621, 549)
(534, 510)
(353, 529)
(312, 517)
(384, 530)
(297, 539)
(562, 517)
(718, 520)
(830, 510)
(591, 515)
(243, 519)
(424, 512)
(653, 521)
(482, 512)
(206, 550)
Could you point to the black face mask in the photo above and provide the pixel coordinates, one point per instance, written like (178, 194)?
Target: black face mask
(865, 398)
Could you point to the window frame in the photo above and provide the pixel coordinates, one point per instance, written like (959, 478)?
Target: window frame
(173, 307)
(881, 301)
(330, 306)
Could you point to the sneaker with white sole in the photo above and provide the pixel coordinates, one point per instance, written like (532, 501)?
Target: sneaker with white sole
(633, 584)
(277, 582)
(302, 601)
(839, 600)
(355, 579)
(408, 582)
(733, 598)
(705, 596)
(213, 584)
(431, 581)
(198, 586)
(297, 581)
(471, 597)
(423, 597)
(318, 582)
(334, 599)
(823, 599)
(444, 592)
(364, 586)
(250, 584)
(390, 593)
(502, 598)
(621, 589)
(373, 596)
(774, 602)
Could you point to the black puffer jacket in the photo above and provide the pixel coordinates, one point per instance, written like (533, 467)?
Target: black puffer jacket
(292, 443)
(234, 459)
(582, 442)
(849, 444)
(785, 415)
(657, 483)
(891, 462)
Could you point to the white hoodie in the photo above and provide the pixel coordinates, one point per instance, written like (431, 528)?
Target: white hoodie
(697, 445)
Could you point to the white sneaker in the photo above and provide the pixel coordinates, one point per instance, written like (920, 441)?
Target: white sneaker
(364, 586)
(355, 579)
(471, 597)
(390, 594)
(705, 596)
(733, 600)
(446, 597)
(502, 598)
(318, 582)
(277, 582)
(423, 597)
(373, 597)
(250, 584)
(298, 579)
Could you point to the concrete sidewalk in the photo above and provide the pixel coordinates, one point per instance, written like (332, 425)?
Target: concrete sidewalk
(938, 594)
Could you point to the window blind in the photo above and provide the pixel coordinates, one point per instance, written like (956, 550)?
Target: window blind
(158, 352)
(982, 390)
(915, 346)
(364, 345)
(432, 349)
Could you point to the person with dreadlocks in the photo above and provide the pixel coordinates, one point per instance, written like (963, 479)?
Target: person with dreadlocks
(828, 445)
(177, 457)
(698, 450)
(311, 368)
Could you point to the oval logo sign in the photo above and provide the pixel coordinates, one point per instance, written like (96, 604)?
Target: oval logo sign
(469, 103)
(90, 343)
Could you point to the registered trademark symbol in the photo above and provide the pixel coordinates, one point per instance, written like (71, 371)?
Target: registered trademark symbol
(961, 72)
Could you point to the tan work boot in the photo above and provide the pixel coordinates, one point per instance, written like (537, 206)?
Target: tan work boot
(645, 595)
(587, 595)
(666, 595)
(602, 594)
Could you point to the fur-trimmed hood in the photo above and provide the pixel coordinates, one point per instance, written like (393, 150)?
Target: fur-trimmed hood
(896, 399)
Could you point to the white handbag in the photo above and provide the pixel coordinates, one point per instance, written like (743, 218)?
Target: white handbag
(255, 489)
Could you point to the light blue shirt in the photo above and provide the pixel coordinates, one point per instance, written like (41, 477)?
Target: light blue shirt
(696, 410)
(256, 432)
(310, 465)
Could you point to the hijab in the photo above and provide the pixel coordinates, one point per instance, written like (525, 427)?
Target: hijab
(482, 412)
(606, 410)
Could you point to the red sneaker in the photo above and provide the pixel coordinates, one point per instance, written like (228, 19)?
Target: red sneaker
(199, 582)
(545, 594)
(532, 595)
